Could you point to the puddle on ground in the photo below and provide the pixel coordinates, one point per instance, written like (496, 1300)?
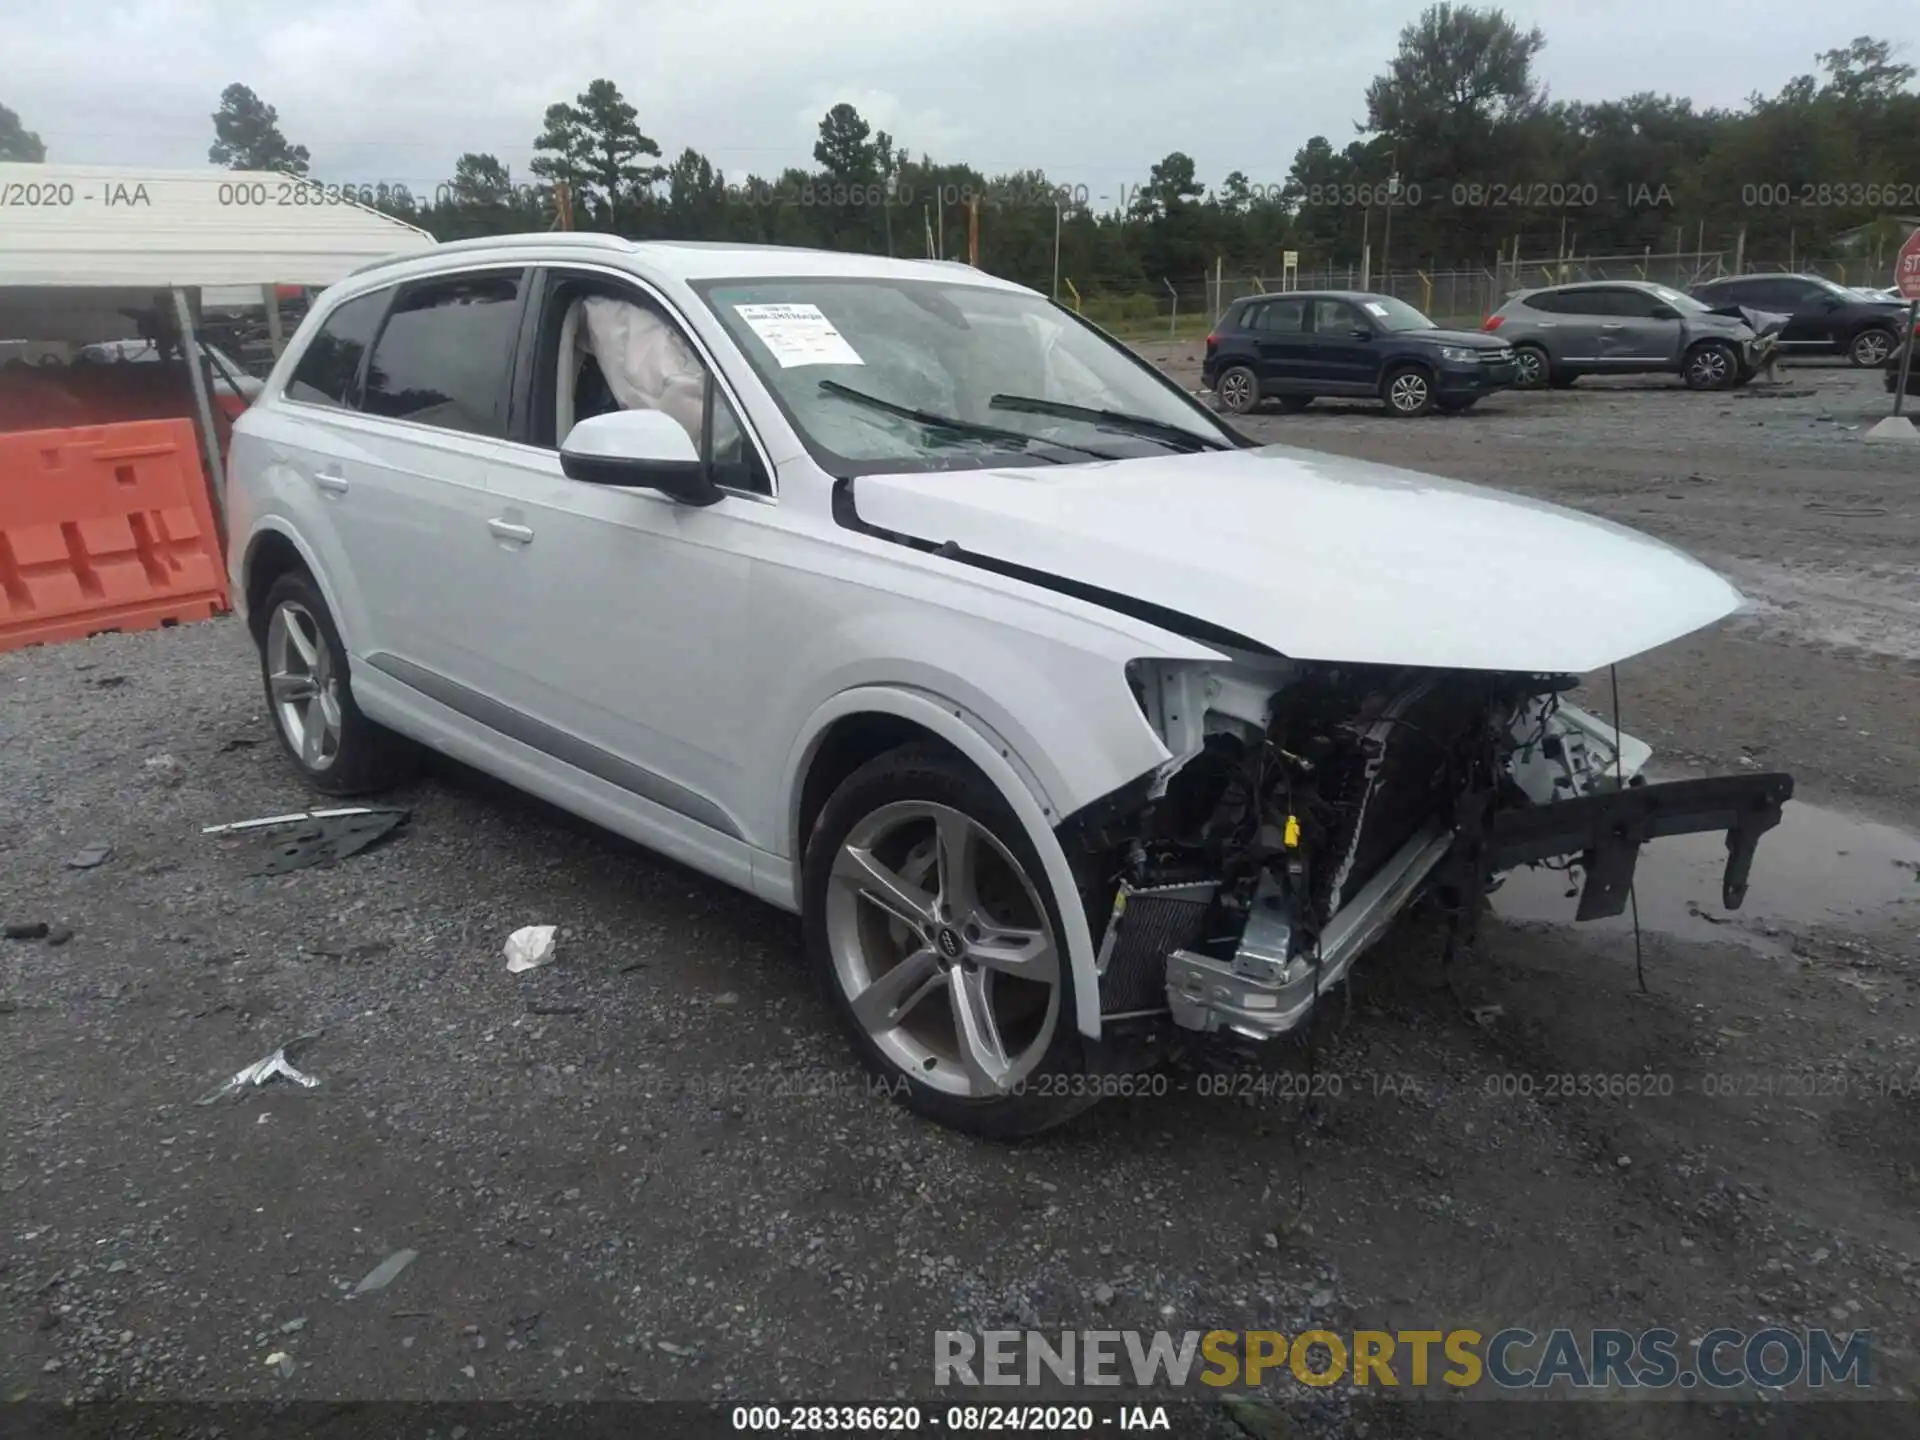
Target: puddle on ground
(1817, 867)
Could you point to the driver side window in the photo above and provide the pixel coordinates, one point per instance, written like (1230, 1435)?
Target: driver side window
(603, 347)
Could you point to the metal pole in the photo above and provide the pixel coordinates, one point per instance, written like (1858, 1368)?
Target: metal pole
(1056, 250)
(1906, 357)
(271, 293)
(1173, 320)
(203, 409)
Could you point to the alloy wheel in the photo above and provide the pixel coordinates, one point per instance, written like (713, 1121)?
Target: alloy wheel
(943, 948)
(1529, 367)
(1408, 393)
(1236, 391)
(1871, 347)
(302, 679)
(1708, 368)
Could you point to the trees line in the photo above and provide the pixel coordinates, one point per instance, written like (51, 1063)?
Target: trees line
(1460, 158)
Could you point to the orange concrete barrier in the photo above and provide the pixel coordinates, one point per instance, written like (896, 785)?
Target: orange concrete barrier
(105, 527)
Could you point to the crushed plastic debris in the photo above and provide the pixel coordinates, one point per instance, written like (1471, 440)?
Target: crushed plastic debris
(1485, 1015)
(295, 818)
(528, 948)
(261, 1071)
(280, 1361)
(386, 1272)
(325, 837)
(167, 769)
(89, 856)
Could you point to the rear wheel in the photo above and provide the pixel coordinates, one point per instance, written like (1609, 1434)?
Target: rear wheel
(1237, 390)
(1529, 367)
(1710, 366)
(1408, 392)
(935, 937)
(1871, 347)
(303, 665)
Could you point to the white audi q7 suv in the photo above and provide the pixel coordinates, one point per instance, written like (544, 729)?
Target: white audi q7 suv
(1069, 720)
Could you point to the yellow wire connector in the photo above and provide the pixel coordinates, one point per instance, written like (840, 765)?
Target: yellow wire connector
(1291, 836)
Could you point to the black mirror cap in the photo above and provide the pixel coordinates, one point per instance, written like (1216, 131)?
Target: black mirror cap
(683, 481)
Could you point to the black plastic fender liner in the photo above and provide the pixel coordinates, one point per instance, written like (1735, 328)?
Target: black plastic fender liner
(1607, 830)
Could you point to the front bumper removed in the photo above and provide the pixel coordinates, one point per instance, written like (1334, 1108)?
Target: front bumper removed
(1261, 993)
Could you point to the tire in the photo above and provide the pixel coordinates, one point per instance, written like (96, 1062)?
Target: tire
(337, 749)
(1408, 391)
(1871, 347)
(1710, 366)
(1458, 407)
(1293, 404)
(886, 832)
(1530, 367)
(1237, 390)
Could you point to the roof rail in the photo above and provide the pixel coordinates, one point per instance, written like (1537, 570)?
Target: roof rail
(581, 239)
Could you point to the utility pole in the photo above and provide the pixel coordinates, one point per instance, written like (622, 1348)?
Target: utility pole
(1056, 249)
(1386, 237)
(973, 231)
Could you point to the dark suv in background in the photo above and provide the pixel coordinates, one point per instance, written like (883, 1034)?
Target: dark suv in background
(1822, 318)
(1299, 345)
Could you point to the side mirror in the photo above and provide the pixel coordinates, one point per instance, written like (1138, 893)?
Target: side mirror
(1831, 303)
(1361, 332)
(638, 450)
(1665, 312)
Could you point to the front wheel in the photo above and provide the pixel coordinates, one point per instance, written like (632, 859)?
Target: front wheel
(936, 940)
(1529, 367)
(1871, 347)
(1711, 366)
(1409, 392)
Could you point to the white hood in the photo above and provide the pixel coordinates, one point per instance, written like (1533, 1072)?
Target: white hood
(1326, 558)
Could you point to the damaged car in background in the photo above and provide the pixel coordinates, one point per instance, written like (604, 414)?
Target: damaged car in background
(1073, 724)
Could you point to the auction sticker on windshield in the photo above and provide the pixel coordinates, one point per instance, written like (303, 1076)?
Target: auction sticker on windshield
(1375, 308)
(798, 335)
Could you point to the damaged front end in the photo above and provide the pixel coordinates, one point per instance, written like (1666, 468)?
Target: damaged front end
(1307, 805)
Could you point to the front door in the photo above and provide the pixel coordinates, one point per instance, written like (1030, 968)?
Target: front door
(618, 618)
(1346, 358)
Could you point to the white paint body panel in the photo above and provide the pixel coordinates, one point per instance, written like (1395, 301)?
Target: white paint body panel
(1326, 558)
(714, 647)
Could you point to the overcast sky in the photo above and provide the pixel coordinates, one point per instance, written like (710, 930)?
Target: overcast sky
(1092, 91)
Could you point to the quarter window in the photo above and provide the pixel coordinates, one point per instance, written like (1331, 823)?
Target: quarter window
(1282, 317)
(445, 354)
(329, 372)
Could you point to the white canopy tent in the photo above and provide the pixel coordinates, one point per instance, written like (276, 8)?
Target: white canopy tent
(81, 245)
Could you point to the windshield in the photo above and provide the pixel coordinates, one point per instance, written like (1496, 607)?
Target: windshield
(882, 375)
(1685, 304)
(1391, 314)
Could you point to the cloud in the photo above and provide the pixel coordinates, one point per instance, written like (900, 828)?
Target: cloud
(1092, 91)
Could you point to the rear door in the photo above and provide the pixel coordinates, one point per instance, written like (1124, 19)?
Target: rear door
(1579, 314)
(1810, 324)
(1346, 356)
(1279, 332)
(409, 485)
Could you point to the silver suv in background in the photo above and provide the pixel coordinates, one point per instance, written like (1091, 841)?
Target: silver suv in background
(1623, 327)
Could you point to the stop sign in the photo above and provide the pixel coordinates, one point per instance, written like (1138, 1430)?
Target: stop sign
(1906, 270)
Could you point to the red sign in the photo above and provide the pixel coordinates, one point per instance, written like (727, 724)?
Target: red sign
(1906, 270)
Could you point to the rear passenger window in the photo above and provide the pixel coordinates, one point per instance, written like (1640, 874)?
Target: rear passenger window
(1283, 317)
(445, 354)
(328, 372)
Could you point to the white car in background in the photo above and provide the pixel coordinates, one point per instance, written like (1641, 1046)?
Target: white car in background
(233, 388)
(1070, 721)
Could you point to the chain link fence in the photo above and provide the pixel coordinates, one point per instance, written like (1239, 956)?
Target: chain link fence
(1463, 297)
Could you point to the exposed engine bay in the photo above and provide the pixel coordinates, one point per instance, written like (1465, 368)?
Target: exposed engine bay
(1309, 804)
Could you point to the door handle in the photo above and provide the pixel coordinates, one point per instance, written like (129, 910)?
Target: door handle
(507, 530)
(1611, 325)
(332, 481)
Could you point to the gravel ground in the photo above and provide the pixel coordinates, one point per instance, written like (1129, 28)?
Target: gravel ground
(649, 1169)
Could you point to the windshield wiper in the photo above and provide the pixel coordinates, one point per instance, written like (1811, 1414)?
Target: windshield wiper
(958, 426)
(1112, 419)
